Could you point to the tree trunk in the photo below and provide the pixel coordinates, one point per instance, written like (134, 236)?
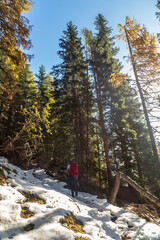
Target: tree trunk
(77, 149)
(141, 190)
(87, 121)
(99, 163)
(115, 189)
(154, 148)
(103, 129)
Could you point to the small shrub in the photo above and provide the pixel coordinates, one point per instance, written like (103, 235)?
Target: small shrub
(72, 223)
(26, 213)
(32, 197)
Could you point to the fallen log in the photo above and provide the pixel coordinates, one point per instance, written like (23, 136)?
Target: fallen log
(144, 193)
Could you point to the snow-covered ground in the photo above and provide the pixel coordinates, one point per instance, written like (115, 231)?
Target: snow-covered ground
(101, 220)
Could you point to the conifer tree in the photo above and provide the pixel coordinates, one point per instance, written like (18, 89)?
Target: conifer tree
(119, 110)
(45, 87)
(45, 97)
(14, 36)
(146, 63)
(129, 139)
(12, 113)
(103, 63)
(72, 91)
(27, 94)
(35, 101)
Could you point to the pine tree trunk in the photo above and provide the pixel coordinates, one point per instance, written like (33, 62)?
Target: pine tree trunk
(77, 143)
(87, 130)
(103, 130)
(87, 123)
(98, 158)
(81, 132)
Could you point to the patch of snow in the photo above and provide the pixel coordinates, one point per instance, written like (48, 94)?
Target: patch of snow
(101, 220)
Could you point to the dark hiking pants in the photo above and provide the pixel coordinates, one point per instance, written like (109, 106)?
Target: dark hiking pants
(73, 185)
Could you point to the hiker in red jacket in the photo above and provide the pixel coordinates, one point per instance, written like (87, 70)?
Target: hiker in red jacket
(72, 170)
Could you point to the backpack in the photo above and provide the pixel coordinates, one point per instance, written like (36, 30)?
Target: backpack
(73, 169)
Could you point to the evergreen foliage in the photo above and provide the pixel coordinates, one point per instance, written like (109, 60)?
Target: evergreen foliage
(73, 101)
(103, 63)
(84, 110)
(15, 29)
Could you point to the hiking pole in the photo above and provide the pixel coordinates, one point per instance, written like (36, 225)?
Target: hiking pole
(66, 179)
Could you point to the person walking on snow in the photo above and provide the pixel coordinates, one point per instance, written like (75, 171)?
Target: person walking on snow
(72, 170)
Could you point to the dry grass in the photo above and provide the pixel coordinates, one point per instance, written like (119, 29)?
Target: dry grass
(3, 179)
(32, 197)
(146, 211)
(72, 223)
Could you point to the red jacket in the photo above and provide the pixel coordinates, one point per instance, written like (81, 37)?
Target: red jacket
(73, 169)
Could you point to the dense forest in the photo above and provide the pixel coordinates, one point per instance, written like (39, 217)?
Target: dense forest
(85, 109)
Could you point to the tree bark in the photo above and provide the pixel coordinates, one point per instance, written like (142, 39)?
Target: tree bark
(141, 190)
(115, 189)
(99, 164)
(87, 120)
(103, 129)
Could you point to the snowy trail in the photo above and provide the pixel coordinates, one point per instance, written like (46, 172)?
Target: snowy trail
(101, 220)
(112, 213)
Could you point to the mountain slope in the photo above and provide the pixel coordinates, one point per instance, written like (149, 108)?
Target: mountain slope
(54, 215)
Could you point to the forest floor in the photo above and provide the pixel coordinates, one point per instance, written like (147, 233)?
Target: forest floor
(146, 211)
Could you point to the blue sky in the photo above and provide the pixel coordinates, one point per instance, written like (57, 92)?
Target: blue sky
(49, 19)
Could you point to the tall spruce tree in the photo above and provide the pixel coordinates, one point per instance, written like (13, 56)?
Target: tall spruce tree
(73, 100)
(103, 63)
(122, 129)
